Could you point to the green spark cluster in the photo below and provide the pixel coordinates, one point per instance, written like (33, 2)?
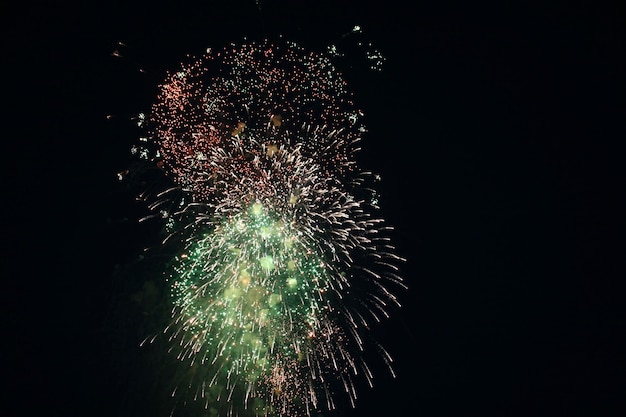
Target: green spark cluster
(250, 298)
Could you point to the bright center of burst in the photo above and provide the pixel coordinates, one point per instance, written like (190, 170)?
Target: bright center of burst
(257, 209)
(267, 263)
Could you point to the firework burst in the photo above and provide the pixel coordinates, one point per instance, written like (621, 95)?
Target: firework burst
(283, 262)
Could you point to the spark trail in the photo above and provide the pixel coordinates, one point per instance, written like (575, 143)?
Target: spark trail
(284, 263)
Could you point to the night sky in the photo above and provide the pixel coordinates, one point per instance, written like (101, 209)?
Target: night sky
(498, 133)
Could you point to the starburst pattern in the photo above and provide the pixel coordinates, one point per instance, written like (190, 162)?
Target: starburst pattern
(284, 262)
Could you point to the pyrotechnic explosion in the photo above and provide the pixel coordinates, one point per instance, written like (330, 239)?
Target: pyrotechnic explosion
(283, 262)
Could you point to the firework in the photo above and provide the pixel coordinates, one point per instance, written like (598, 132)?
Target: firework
(283, 262)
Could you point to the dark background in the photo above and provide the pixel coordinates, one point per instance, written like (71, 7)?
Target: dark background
(497, 130)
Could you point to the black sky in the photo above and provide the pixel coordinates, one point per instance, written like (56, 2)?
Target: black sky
(498, 131)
